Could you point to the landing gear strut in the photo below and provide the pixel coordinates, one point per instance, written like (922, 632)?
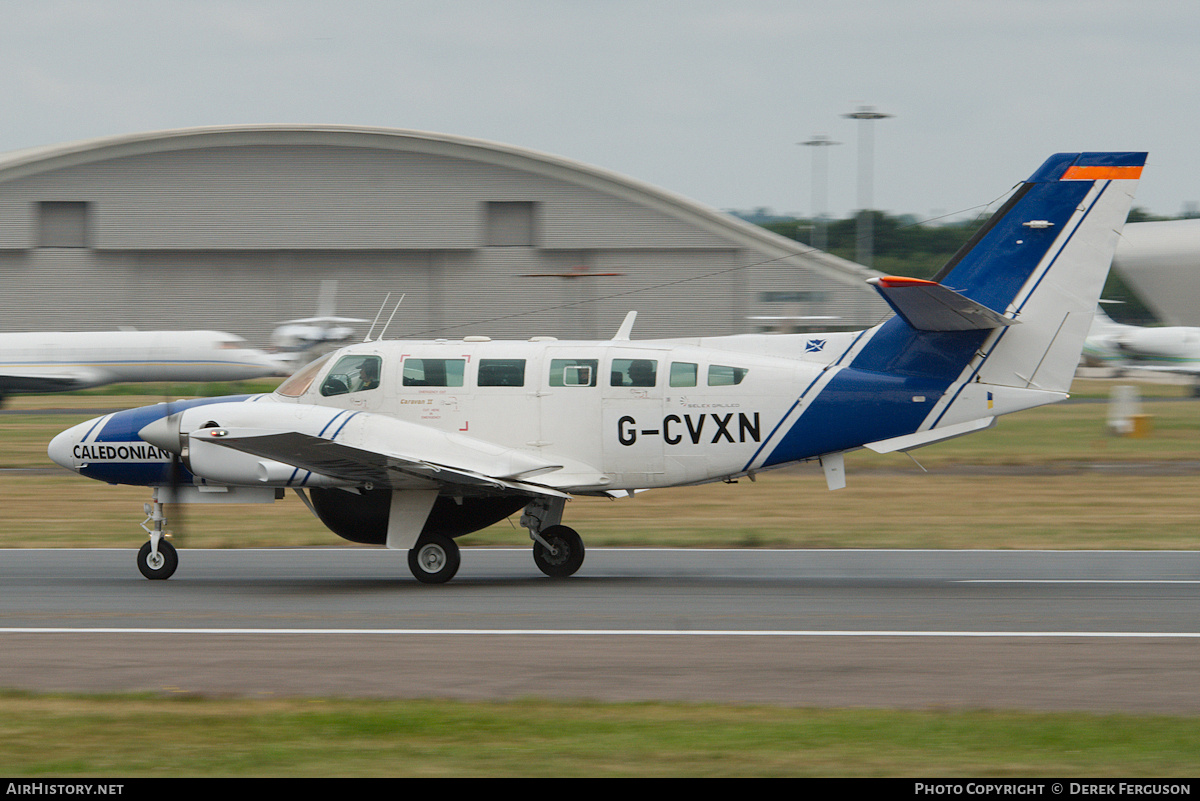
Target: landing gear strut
(156, 559)
(557, 549)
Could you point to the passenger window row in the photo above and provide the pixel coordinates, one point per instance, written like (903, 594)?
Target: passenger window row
(361, 372)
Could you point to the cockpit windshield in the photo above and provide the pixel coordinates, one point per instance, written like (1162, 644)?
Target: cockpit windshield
(302, 379)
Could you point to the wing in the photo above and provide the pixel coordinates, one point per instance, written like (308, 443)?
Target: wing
(49, 378)
(296, 445)
(259, 442)
(379, 468)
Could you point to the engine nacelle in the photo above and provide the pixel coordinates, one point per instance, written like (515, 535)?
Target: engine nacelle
(363, 516)
(221, 465)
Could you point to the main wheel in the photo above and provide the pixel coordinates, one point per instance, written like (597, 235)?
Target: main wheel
(567, 556)
(158, 566)
(435, 560)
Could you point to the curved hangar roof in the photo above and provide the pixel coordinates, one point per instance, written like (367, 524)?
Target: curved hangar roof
(339, 174)
(1161, 261)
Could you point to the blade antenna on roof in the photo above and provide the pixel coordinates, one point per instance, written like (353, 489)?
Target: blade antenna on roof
(382, 306)
(389, 322)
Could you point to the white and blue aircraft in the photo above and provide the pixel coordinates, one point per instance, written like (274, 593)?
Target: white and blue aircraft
(409, 444)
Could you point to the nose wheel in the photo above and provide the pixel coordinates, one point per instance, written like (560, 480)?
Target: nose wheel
(157, 563)
(156, 559)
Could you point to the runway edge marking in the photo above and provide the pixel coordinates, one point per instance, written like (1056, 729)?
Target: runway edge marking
(610, 633)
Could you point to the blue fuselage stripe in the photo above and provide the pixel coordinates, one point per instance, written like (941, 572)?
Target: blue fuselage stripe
(331, 421)
(344, 424)
(771, 436)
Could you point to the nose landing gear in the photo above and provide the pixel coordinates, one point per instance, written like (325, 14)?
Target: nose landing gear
(156, 559)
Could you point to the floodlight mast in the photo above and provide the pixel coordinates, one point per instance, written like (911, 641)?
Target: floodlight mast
(820, 169)
(866, 156)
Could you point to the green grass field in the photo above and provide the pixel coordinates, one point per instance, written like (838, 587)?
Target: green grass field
(136, 736)
(1048, 478)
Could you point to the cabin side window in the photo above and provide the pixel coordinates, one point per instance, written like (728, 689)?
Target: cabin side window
(573, 372)
(501, 372)
(634, 373)
(683, 374)
(352, 374)
(720, 375)
(434, 372)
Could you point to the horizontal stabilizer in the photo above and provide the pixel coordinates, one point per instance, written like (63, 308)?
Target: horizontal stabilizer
(920, 439)
(929, 306)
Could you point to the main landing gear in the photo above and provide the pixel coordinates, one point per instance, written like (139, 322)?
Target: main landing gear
(557, 549)
(156, 559)
(435, 559)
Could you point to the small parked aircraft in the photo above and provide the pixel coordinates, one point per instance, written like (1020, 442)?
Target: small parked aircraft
(1170, 349)
(60, 361)
(298, 342)
(410, 444)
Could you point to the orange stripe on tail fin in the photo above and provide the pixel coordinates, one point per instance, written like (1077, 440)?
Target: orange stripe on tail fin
(1099, 173)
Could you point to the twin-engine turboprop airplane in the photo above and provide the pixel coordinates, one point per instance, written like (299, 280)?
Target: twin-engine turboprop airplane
(411, 444)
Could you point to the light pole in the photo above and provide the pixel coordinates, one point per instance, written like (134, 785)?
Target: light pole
(866, 153)
(820, 163)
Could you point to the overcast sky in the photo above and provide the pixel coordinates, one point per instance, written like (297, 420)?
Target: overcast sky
(705, 99)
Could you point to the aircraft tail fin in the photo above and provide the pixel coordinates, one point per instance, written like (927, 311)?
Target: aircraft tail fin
(1103, 324)
(1027, 284)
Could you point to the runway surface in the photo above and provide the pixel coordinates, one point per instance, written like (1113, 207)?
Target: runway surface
(1100, 631)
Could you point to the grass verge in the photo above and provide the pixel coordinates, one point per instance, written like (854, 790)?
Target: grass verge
(135, 736)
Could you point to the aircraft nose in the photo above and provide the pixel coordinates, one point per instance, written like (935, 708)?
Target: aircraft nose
(61, 449)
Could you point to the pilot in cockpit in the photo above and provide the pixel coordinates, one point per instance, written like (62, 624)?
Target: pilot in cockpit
(368, 376)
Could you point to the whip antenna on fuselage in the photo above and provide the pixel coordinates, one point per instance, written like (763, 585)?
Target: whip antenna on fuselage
(382, 306)
(389, 322)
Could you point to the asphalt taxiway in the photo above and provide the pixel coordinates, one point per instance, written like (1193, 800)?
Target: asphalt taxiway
(1099, 631)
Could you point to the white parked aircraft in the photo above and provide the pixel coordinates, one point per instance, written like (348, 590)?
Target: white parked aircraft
(59, 361)
(410, 444)
(1170, 349)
